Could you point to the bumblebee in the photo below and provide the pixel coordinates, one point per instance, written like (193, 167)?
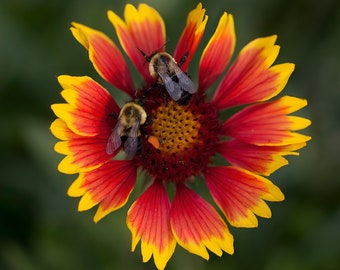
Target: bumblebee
(169, 74)
(126, 132)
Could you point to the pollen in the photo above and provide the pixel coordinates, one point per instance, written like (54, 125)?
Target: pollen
(176, 127)
(188, 137)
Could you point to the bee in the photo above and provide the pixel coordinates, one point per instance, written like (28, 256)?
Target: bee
(169, 74)
(126, 132)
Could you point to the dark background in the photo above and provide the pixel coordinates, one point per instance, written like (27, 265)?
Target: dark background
(40, 227)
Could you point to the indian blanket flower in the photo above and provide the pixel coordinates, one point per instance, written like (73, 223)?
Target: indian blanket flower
(180, 143)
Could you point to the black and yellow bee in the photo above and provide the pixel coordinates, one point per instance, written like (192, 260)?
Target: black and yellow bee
(169, 74)
(127, 130)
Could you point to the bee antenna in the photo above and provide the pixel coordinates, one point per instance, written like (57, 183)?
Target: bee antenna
(161, 47)
(147, 58)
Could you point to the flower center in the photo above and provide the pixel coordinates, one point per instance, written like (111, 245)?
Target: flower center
(176, 127)
(188, 137)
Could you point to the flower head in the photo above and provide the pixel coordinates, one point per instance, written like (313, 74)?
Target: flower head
(174, 143)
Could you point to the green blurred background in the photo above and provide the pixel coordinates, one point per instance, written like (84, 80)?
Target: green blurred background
(40, 227)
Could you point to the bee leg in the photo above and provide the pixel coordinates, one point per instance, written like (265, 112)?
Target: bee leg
(148, 122)
(185, 98)
(112, 114)
(145, 92)
(163, 94)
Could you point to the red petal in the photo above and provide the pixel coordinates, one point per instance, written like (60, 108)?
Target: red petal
(105, 56)
(144, 29)
(250, 79)
(197, 226)
(191, 35)
(82, 153)
(258, 159)
(110, 185)
(89, 106)
(268, 124)
(217, 53)
(148, 221)
(240, 194)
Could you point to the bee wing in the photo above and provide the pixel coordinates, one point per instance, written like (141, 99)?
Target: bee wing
(131, 146)
(184, 81)
(131, 143)
(115, 140)
(173, 88)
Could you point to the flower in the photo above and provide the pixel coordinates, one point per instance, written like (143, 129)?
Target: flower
(181, 142)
